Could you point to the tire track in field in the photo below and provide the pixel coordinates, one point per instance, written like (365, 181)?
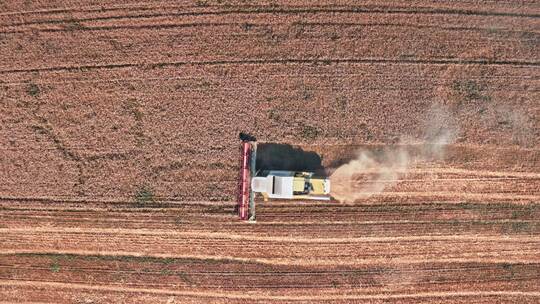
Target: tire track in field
(293, 11)
(235, 24)
(299, 278)
(278, 61)
(91, 9)
(148, 6)
(275, 272)
(271, 208)
(250, 285)
(229, 295)
(128, 217)
(124, 27)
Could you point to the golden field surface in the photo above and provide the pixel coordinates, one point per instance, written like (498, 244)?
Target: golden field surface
(119, 150)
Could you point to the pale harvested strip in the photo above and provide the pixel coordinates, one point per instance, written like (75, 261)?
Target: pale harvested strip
(231, 236)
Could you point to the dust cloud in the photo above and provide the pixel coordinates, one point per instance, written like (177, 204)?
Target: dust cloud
(374, 170)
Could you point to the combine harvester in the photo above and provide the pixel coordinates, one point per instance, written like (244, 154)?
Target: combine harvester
(274, 184)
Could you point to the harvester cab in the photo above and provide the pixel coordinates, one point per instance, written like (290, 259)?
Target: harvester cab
(290, 185)
(274, 184)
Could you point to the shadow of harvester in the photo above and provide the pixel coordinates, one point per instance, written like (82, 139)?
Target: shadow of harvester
(273, 156)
